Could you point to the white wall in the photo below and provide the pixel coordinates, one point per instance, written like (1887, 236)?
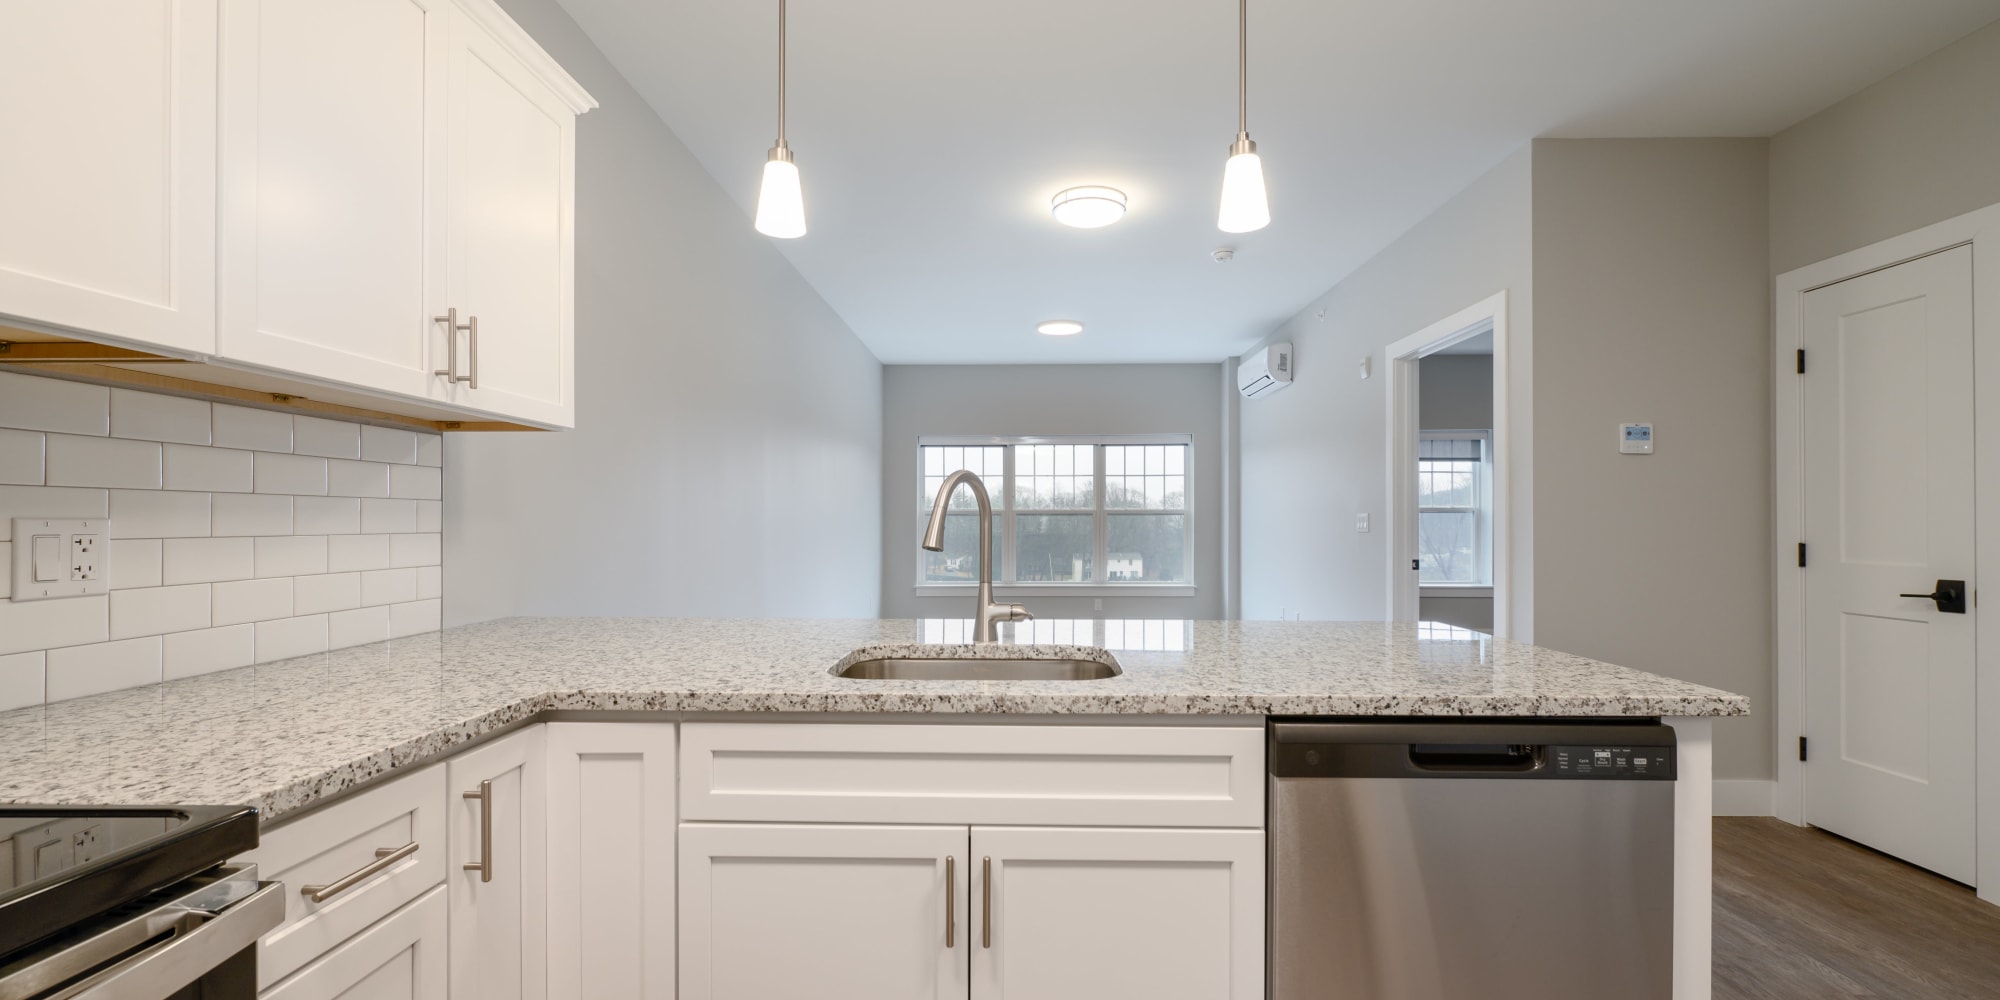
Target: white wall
(727, 456)
(1919, 147)
(1652, 304)
(922, 400)
(1313, 456)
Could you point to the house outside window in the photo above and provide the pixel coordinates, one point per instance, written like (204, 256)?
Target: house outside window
(1455, 509)
(1069, 513)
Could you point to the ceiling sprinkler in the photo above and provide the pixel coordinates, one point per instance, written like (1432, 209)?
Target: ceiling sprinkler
(1222, 255)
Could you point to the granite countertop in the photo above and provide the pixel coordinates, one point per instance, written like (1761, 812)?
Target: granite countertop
(282, 736)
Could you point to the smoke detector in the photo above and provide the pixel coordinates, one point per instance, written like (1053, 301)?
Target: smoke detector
(1222, 255)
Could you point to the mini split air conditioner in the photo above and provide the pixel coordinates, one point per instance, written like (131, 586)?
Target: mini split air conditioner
(1265, 370)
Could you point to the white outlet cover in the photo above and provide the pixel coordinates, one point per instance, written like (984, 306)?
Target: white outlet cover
(70, 581)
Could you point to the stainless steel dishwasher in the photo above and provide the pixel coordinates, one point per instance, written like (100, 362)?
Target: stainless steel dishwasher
(1445, 860)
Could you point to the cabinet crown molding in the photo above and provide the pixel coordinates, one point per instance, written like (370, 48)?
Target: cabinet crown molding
(487, 14)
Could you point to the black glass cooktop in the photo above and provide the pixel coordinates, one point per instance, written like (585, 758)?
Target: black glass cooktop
(61, 865)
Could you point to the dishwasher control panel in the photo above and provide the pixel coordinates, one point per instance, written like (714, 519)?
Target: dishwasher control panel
(1622, 762)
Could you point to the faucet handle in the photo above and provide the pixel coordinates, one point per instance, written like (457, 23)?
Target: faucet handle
(1017, 613)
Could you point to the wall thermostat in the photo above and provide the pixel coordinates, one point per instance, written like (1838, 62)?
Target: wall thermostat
(1635, 439)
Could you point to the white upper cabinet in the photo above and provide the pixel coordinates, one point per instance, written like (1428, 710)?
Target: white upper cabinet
(333, 169)
(511, 199)
(107, 180)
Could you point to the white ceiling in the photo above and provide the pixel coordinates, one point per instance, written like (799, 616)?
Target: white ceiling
(931, 135)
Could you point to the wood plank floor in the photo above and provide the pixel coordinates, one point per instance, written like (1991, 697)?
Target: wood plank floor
(1801, 914)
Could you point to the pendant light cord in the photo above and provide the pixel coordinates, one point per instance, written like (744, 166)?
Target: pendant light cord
(781, 73)
(1242, 66)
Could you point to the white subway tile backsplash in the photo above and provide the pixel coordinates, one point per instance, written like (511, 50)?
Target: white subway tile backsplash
(416, 550)
(249, 514)
(382, 517)
(30, 403)
(356, 627)
(158, 514)
(158, 610)
(416, 482)
(388, 444)
(330, 592)
(347, 553)
(206, 560)
(135, 562)
(298, 475)
(207, 470)
(415, 618)
(74, 460)
(106, 666)
(388, 586)
(47, 501)
(186, 654)
(22, 680)
(289, 637)
(151, 416)
(430, 450)
(69, 621)
(325, 438)
(291, 555)
(326, 515)
(252, 601)
(430, 582)
(358, 479)
(430, 515)
(21, 457)
(250, 429)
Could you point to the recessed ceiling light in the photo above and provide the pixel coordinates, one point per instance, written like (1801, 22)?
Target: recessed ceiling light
(1088, 207)
(1059, 327)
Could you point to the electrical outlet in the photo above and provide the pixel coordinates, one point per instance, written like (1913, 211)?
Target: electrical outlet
(61, 558)
(87, 844)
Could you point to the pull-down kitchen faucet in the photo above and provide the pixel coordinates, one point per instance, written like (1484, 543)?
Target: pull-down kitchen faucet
(987, 616)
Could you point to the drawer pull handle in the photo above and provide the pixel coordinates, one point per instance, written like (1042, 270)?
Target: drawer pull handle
(950, 902)
(484, 866)
(986, 903)
(384, 857)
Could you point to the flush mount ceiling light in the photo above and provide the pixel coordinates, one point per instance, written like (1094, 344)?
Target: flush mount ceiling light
(781, 205)
(1059, 327)
(1088, 207)
(1245, 207)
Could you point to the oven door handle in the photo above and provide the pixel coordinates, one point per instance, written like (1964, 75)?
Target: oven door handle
(201, 941)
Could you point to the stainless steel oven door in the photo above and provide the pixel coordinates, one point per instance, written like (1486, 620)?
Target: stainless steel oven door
(195, 940)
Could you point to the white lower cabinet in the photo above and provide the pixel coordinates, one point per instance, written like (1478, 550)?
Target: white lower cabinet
(498, 869)
(401, 957)
(823, 911)
(611, 861)
(1082, 914)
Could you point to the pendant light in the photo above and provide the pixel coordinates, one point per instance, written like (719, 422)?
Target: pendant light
(1245, 207)
(781, 205)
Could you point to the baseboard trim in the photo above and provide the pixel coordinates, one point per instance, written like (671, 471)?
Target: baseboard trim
(1746, 798)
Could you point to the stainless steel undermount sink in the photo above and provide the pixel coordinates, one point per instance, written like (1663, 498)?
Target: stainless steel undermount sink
(941, 668)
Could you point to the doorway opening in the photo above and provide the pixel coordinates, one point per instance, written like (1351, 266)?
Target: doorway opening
(1447, 471)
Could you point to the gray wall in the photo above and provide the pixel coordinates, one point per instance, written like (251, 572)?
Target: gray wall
(1652, 304)
(727, 456)
(920, 400)
(1919, 147)
(1455, 392)
(1312, 455)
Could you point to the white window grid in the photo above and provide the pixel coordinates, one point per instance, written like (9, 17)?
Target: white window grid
(1470, 451)
(1006, 494)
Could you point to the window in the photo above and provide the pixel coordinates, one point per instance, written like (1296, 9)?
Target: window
(1454, 509)
(1066, 511)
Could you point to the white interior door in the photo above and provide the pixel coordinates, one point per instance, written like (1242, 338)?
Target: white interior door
(1889, 466)
(771, 911)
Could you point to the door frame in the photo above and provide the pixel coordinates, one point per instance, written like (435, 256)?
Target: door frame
(1402, 357)
(1979, 230)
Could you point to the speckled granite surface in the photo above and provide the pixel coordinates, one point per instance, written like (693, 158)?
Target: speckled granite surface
(283, 735)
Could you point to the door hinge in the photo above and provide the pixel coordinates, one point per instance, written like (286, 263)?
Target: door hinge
(1802, 361)
(1802, 554)
(1802, 748)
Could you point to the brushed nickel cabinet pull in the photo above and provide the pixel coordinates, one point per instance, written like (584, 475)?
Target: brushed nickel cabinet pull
(384, 857)
(484, 866)
(451, 328)
(472, 343)
(950, 902)
(986, 902)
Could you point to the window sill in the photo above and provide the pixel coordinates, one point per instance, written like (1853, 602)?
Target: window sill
(1454, 590)
(967, 590)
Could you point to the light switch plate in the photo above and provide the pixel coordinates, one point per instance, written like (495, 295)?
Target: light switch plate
(76, 553)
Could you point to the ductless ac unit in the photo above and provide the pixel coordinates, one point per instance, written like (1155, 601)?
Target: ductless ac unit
(1265, 370)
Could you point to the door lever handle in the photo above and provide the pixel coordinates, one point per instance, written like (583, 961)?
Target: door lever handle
(1949, 595)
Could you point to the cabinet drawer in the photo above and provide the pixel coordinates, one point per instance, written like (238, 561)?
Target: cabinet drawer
(403, 956)
(322, 848)
(1044, 775)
